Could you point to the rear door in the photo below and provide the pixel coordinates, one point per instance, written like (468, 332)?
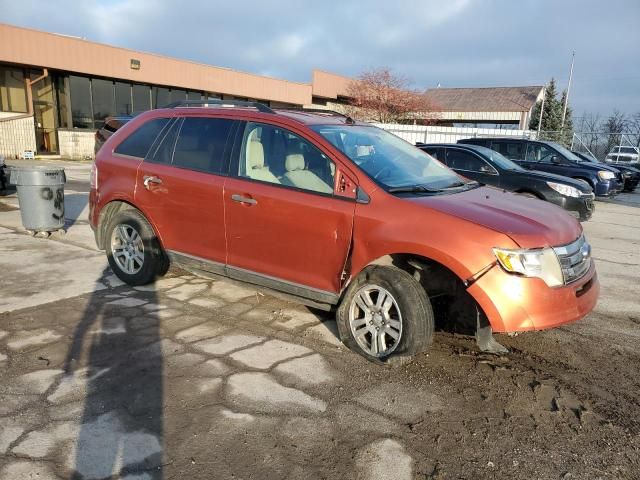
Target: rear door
(180, 187)
(288, 223)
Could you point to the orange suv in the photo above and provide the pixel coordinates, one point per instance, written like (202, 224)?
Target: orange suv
(338, 215)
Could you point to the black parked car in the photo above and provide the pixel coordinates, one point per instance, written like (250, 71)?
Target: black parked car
(111, 124)
(630, 175)
(491, 168)
(554, 158)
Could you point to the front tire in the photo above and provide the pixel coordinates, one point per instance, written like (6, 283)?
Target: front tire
(385, 314)
(133, 250)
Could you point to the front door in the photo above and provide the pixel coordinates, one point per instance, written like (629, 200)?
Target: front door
(284, 223)
(44, 110)
(180, 185)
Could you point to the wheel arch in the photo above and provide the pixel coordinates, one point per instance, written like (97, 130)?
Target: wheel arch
(453, 304)
(110, 210)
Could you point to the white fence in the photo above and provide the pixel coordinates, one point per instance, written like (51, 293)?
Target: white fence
(437, 134)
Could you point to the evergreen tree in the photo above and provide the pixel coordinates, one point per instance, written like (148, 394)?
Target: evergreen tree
(567, 130)
(552, 114)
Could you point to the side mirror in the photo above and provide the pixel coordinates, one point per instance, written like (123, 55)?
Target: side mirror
(555, 159)
(346, 187)
(485, 169)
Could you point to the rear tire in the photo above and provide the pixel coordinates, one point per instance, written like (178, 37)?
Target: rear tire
(133, 250)
(385, 316)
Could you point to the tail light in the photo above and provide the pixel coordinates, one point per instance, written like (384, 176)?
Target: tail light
(94, 176)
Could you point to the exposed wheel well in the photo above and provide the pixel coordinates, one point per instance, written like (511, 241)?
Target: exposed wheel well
(454, 307)
(106, 214)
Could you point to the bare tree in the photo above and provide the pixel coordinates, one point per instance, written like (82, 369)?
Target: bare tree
(379, 95)
(615, 126)
(633, 128)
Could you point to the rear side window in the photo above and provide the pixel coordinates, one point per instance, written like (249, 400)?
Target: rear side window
(201, 144)
(461, 160)
(436, 153)
(511, 150)
(138, 143)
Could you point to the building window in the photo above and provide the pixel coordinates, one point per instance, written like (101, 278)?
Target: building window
(141, 98)
(13, 94)
(178, 95)
(62, 99)
(194, 95)
(161, 97)
(102, 96)
(123, 98)
(81, 113)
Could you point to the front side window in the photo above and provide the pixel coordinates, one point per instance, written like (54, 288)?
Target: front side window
(389, 160)
(537, 152)
(201, 144)
(461, 160)
(275, 155)
(138, 143)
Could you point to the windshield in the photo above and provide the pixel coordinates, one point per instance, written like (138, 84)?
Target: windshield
(628, 150)
(387, 159)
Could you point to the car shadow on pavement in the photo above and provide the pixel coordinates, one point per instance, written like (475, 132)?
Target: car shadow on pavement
(116, 351)
(74, 205)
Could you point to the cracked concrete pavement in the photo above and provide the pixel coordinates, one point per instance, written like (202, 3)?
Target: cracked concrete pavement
(193, 378)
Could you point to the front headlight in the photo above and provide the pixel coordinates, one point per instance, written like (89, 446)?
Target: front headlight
(539, 263)
(563, 189)
(605, 175)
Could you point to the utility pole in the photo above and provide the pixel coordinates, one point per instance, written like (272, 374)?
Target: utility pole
(566, 97)
(544, 95)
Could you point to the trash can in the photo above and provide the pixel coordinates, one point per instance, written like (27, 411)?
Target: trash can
(41, 197)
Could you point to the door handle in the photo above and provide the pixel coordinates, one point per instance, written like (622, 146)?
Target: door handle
(150, 179)
(245, 200)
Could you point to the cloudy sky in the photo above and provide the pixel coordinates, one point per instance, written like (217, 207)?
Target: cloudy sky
(455, 43)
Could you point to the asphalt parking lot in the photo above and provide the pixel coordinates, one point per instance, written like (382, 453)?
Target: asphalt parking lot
(200, 379)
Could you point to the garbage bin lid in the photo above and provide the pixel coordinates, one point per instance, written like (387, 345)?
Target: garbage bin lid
(37, 175)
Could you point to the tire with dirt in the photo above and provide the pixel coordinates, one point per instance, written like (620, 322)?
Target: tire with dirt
(133, 250)
(385, 315)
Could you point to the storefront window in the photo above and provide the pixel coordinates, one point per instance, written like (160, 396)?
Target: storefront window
(194, 95)
(81, 112)
(178, 95)
(62, 100)
(161, 97)
(123, 98)
(141, 98)
(102, 93)
(13, 94)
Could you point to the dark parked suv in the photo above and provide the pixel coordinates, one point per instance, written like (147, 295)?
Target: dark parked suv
(554, 158)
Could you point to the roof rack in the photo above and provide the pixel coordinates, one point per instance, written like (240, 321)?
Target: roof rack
(346, 117)
(261, 107)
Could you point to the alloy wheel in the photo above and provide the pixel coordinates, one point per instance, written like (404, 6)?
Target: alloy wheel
(375, 320)
(127, 248)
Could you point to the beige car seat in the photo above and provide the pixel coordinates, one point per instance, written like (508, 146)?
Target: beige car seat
(256, 168)
(298, 176)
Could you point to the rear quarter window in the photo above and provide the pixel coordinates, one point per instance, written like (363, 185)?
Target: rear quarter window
(138, 143)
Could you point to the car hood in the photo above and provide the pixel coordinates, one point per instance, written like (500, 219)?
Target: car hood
(552, 177)
(596, 167)
(531, 223)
